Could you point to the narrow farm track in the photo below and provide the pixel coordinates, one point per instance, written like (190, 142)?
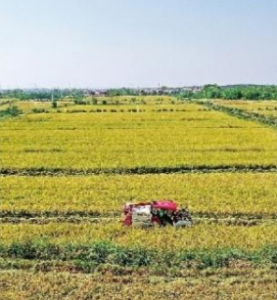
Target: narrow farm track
(113, 214)
(241, 114)
(83, 217)
(138, 170)
(60, 267)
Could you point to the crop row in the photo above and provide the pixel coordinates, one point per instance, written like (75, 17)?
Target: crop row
(111, 110)
(213, 195)
(103, 104)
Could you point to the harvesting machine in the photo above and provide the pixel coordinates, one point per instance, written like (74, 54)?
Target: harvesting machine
(159, 212)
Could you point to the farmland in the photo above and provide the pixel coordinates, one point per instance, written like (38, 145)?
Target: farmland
(219, 194)
(191, 138)
(66, 171)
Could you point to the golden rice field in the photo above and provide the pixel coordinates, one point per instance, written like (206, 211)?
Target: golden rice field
(202, 236)
(135, 140)
(67, 171)
(222, 194)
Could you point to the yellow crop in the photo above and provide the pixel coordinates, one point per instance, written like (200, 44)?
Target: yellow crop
(135, 140)
(198, 237)
(236, 284)
(86, 161)
(224, 194)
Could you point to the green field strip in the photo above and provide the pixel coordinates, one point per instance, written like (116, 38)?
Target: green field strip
(88, 257)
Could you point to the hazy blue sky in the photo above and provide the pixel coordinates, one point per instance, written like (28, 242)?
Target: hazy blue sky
(113, 43)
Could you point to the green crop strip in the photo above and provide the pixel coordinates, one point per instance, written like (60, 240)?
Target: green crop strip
(87, 257)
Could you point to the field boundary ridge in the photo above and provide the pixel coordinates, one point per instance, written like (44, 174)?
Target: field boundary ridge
(136, 170)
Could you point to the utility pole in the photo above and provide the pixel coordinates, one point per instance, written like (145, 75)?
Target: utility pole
(139, 99)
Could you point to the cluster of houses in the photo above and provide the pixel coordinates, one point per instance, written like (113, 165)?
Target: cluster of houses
(144, 91)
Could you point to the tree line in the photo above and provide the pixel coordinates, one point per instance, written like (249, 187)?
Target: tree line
(247, 92)
(43, 95)
(210, 91)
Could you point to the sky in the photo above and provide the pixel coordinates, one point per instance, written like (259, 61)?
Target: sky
(137, 43)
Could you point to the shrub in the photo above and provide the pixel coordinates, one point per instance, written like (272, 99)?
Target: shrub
(12, 111)
(79, 101)
(133, 257)
(54, 104)
(39, 110)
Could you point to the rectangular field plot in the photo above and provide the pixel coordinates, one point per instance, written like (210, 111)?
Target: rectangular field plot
(117, 141)
(218, 194)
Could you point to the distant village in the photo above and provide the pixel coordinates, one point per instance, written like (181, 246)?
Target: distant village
(145, 91)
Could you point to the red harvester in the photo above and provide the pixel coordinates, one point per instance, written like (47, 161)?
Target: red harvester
(159, 212)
